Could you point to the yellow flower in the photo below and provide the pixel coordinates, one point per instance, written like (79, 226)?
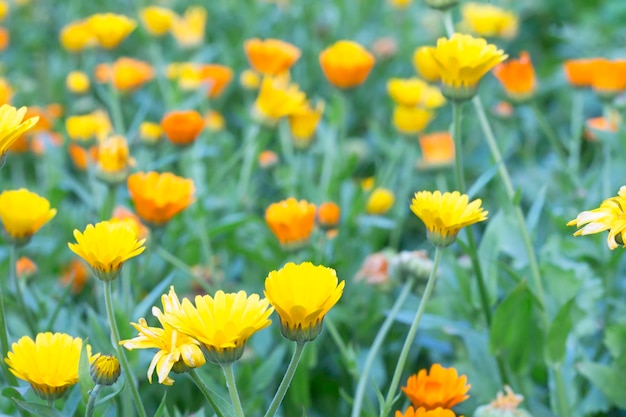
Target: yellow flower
(31, 360)
(425, 64)
(188, 30)
(380, 201)
(106, 246)
(214, 121)
(110, 29)
(77, 82)
(277, 99)
(489, 20)
(410, 120)
(114, 160)
(150, 133)
(13, 125)
(303, 123)
(4, 9)
(291, 221)
(302, 295)
(462, 61)
(176, 352)
(445, 214)
(250, 79)
(6, 91)
(23, 213)
(222, 324)
(104, 369)
(157, 20)
(88, 127)
(77, 36)
(407, 92)
(609, 216)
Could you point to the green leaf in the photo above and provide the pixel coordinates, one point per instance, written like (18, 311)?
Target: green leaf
(482, 181)
(557, 334)
(535, 211)
(615, 339)
(39, 410)
(608, 379)
(162, 407)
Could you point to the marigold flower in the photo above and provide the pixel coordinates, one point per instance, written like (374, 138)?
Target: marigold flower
(81, 157)
(125, 74)
(114, 160)
(182, 127)
(488, 20)
(110, 29)
(517, 76)
(346, 64)
(104, 370)
(157, 20)
(159, 197)
(4, 9)
(23, 213)
(268, 159)
(214, 121)
(410, 120)
(25, 267)
(437, 150)
(579, 72)
(271, 56)
(441, 387)
(445, 214)
(302, 295)
(30, 361)
(76, 274)
(106, 246)
(122, 214)
(177, 352)
(250, 79)
(291, 221)
(223, 323)
(380, 201)
(423, 412)
(88, 127)
(77, 82)
(13, 125)
(277, 99)
(188, 30)
(328, 215)
(506, 401)
(150, 133)
(413, 92)
(217, 77)
(77, 36)
(303, 124)
(608, 78)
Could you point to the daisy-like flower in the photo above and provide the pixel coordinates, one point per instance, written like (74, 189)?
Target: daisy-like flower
(13, 125)
(423, 412)
(488, 20)
(271, 56)
(302, 295)
(291, 221)
(106, 246)
(157, 20)
(445, 214)
(346, 64)
(303, 124)
(30, 360)
(176, 352)
(609, 216)
(110, 29)
(222, 324)
(182, 127)
(23, 213)
(517, 76)
(114, 160)
(277, 99)
(437, 150)
(413, 92)
(441, 387)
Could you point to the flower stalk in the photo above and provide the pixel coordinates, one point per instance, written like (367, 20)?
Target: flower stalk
(193, 374)
(232, 388)
(93, 397)
(287, 378)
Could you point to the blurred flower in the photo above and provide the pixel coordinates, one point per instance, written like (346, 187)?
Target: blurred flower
(414, 92)
(504, 405)
(110, 29)
(380, 201)
(182, 127)
(488, 20)
(609, 216)
(4, 9)
(122, 214)
(277, 99)
(411, 120)
(30, 360)
(23, 213)
(367, 183)
(88, 127)
(114, 160)
(13, 124)
(217, 77)
(157, 20)
(346, 64)
(250, 79)
(80, 156)
(597, 125)
(608, 78)
(125, 74)
(77, 82)
(328, 215)
(177, 352)
(188, 30)
(223, 323)
(374, 270)
(268, 159)
(441, 387)
(423, 412)
(425, 64)
(579, 72)
(441, 4)
(159, 197)
(104, 370)
(445, 214)
(150, 132)
(77, 274)
(437, 150)
(77, 36)
(214, 121)
(55, 110)
(106, 246)
(517, 76)
(4, 39)
(400, 4)
(411, 265)
(271, 56)
(302, 295)
(503, 110)
(303, 123)
(25, 267)
(384, 48)
(291, 221)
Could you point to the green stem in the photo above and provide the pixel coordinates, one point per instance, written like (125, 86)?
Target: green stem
(373, 352)
(328, 163)
(410, 337)
(205, 391)
(458, 146)
(561, 408)
(406, 179)
(250, 150)
(284, 384)
(116, 110)
(549, 132)
(4, 340)
(286, 145)
(448, 21)
(106, 211)
(18, 290)
(232, 389)
(576, 131)
(93, 397)
(121, 354)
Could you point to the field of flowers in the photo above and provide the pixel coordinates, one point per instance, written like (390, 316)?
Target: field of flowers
(312, 208)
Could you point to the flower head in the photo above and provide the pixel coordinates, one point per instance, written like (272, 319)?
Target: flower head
(25, 267)
(425, 64)
(441, 387)
(77, 82)
(277, 99)
(445, 214)
(424, 412)
(303, 123)
(608, 78)
(598, 127)
(157, 20)
(291, 221)
(150, 132)
(214, 121)
(110, 29)
(250, 79)
(22, 213)
(517, 76)
(488, 20)
(30, 360)
(106, 246)
(437, 150)
(410, 120)
(413, 92)
(77, 36)
(13, 125)
(188, 30)
(159, 197)
(271, 56)
(223, 323)
(182, 127)
(380, 201)
(328, 215)
(268, 159)
(114, 160)
(76, 274)
(579, 72)
(346, 64)
(104, 369)
(126, 74)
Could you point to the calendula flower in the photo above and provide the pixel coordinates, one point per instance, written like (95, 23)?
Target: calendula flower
(437, 150)
(385, 47)
(13, 125)
(188, 30)
(4, 39)
(157, 20)
(291, 221)
(412, 92)
(23, 213)
(579, 72)
(596, 126)
(77, 82)
(76, 274)
(328, 215)
(110, 29)
(177, 352)
(277, 99)
(410, 120)
(150, 133)
(488, 20)
(87, 128)
(25, 267)
(104, 370)
(380, 201)
(159, 197)
(77, 36)
(114, 160)
(445, 214)
(223, 323)
(217, 77)
(425, 64)
(423, 412)
(346, 64)
(106, 246)
(504, 404)
(608, 78)
(441, 387)
(250, 79)
(182, 127)
(126, 74)
(609, 216)
(271, 56)
(30, 360)
(214, 121)
(517, 76)
(303, 124)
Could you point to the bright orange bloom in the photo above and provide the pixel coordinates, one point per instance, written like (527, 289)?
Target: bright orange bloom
(579, 72)
(4, 39)
(328, 215)
(82, 157)
(442, 387)
(182, 127)
(126, 73)
(608, 77)
(437, 149)
(122, 214)
(217, 76)
(346, 64)
(25, 267)
(517, 76)
(159, 197)
(291, 221)
(423, 412)
(271, 56)
(77, 274)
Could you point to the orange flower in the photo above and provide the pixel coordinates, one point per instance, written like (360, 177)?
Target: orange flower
(271, 56)
(291, 221)
(328, 215)
(422, 412)
(4, 39)
(608, 77)
(579, 72)
(182, 127)
(122, 214)
(126, 73)
(25, 267)
(437, 149)
(159, 197)
(81, 157)
(77, 274)
(268, 159)
(517, 76)
(441, 388)
(599, 124)
(374, 270)
(218, 78)
(346, 64)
